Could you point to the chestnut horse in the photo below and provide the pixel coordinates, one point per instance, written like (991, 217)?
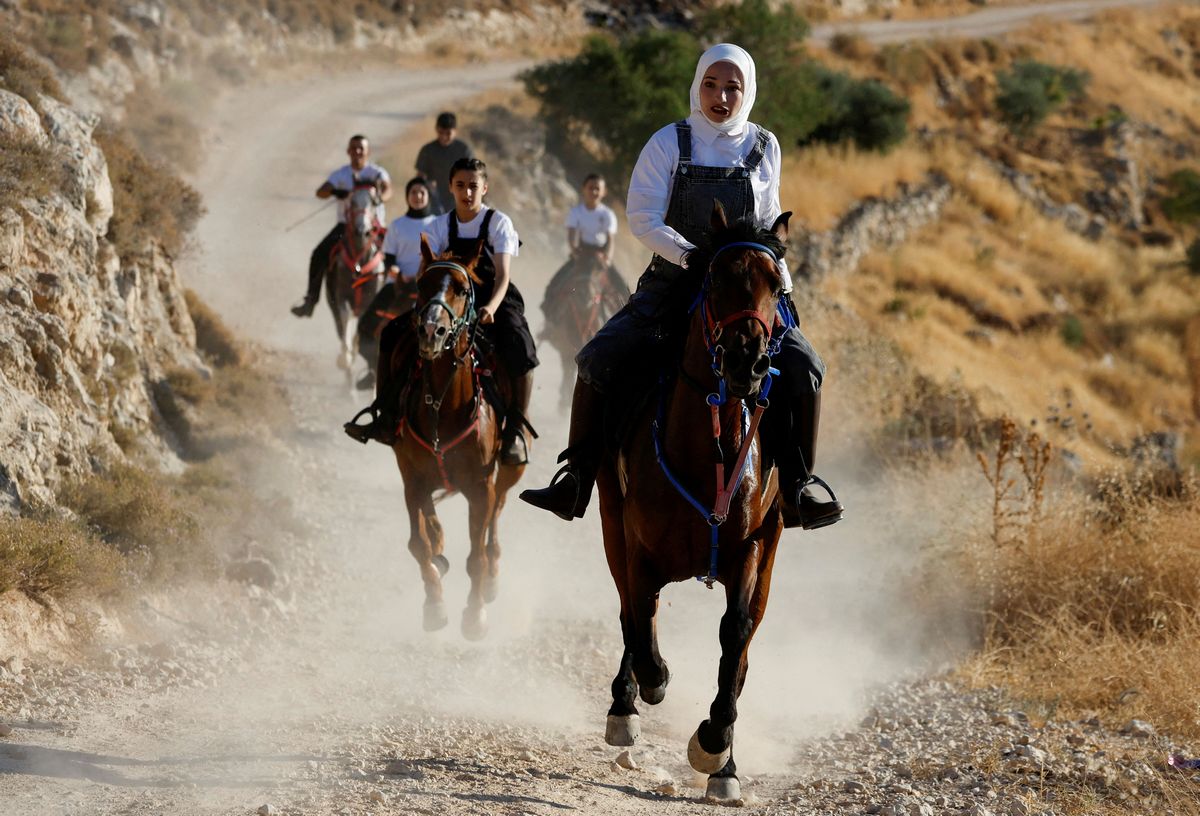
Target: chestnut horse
(355, 268)
(667, 519)
(587, 298)
(449, 438)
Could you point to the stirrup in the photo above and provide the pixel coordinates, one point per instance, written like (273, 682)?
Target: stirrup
(362, 433)
(510, 454)
(831, 516)
(540, 498)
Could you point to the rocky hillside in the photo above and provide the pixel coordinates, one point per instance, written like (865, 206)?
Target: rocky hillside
(86, 335)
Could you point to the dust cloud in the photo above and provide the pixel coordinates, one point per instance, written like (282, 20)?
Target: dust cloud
(842, 616)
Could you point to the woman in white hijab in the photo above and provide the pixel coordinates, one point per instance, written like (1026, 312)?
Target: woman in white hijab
(715, 154)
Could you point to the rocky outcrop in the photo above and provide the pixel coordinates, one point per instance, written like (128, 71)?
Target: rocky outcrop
(84, 334)
(871, 224)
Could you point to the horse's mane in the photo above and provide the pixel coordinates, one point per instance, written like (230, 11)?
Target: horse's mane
(744, 229)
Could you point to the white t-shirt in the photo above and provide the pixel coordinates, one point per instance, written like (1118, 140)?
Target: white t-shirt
(654, 174)
(403, 240)
(594, 226)
(343, 179)
(502, 235)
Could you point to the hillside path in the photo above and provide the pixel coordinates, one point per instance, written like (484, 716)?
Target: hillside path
(985, 23)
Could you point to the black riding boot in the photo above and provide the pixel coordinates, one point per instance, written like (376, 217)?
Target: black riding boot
(514, 448)
(384, 410)
(800, 507)
(571, 488)
(316, 273)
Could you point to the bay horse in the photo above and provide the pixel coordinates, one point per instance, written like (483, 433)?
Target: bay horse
(448, 438)
(355, 268)
(666, 519)
(587, 297)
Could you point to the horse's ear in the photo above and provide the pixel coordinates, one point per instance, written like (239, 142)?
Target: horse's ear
(473, 260)
(780, 227)
(426, 249)
(718, 221)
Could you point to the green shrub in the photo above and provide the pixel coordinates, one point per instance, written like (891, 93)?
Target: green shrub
(1193, 257)
(1032, 90)
(601, 105)
(613, 94)
(1183, 205)
(1072, 332)
(863, 111)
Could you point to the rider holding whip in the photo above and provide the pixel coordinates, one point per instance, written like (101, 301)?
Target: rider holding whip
(715, 154)
(340, 185)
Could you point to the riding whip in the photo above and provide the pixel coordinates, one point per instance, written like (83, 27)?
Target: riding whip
(320, 209)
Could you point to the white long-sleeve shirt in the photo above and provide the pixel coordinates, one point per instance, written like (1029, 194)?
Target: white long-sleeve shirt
(502, 235)
(403, 240)
(653, 175)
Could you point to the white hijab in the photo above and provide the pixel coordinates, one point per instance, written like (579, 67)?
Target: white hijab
(737, 56)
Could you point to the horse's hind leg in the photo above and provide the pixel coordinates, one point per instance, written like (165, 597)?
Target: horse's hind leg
(711, 747)
(423, 522)
(623, 726)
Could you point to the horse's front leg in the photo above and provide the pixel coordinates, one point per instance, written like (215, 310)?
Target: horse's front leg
(623, 725)
(643, 585)
(421, 520)
(482, 509)
(711, 747)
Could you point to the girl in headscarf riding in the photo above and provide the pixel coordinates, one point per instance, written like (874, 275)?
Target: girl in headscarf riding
(716, 154)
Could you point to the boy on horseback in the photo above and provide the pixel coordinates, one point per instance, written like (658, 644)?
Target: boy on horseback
(340, 185)
(715, 155)
(501, 313)
(591, 227)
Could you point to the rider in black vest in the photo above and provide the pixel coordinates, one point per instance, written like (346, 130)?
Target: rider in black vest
(671, 199)
(503, 324)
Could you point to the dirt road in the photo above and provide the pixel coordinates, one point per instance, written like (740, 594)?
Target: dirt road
(324, 695)
(302, 710)
(986, 23)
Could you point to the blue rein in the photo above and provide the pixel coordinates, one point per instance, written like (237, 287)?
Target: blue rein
(715, 400)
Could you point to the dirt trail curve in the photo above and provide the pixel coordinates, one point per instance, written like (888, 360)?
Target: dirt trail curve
(986, 23)
(332, 699)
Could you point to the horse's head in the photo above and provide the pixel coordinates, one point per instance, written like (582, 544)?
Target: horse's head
(742, 287)
(445, 300)
(361, 209)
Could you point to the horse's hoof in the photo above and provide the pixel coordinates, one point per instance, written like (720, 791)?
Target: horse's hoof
(443, 565)
(655, 695)
(435, 616)
(702, 760)
(623, 731)
(474, 623)
(343, 363)
(491, 588)
(723, 789)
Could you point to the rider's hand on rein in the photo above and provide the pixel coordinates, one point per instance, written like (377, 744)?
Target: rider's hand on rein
(485, 316)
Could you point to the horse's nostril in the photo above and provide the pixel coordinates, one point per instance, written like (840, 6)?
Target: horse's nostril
(761, 365)
(441, 332)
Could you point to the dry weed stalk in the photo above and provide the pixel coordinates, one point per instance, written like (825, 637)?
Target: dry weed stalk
(1016, 509)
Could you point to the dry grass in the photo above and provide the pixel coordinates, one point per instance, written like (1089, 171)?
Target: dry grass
(821, 183)
(43, 555)
(1097, 608)
(214, 339)
(28, 170)
(150, 203)
(24, 75)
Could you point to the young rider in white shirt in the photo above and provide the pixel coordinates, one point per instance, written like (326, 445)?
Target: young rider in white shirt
(591, 225)
(340, 185)
(499, 303)
(714, 154)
